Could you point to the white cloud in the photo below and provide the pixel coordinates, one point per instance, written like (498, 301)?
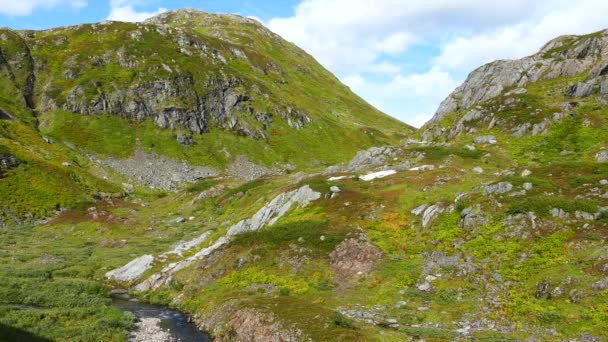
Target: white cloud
(421, 91)
(369, 43)
(525, 38)
(124, 10)
(26, 7)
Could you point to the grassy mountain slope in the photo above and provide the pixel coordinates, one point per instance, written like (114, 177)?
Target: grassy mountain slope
(186, 85)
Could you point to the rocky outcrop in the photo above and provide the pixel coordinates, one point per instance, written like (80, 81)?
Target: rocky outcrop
(565, 56)
(17, 64)
(133, 270)
(267, 215)
(354, 257)
(7, 162)
(497, 188)
(430, 214)
(373, 157)
(275, 209)
(471, 218)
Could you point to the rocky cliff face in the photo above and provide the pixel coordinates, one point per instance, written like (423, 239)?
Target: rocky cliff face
(183, 70)
(581, 60)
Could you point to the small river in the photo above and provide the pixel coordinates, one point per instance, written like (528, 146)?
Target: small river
(173, 323)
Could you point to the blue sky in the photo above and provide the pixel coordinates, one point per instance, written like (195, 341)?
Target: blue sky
(402, 56)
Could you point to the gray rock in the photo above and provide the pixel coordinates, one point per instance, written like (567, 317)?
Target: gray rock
(179, 220)
(478, 170)
(430, 213)
(158, 172)
(419, 210)
(209, 193)
(584, 215)
(490, 80)
(184, 139)
(527, 186)
(559, 213)
(275, 209)
(373, 157)
(602, 156)
(582, 89)
(133, 270)
(498, 188)
(471, 218)
(604, 182)
(334, 189)
(7, 162)
(485, 139)
(600, 285)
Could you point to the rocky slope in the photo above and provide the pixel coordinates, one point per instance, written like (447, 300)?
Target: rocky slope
(566, 69)
(493, 227)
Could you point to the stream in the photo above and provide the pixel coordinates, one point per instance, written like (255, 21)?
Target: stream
(158, 323)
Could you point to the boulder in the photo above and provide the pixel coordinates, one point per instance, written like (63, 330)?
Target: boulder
(133, 270)
(600, 285)
(602, 156)
(354, 257)
(485, 139)
(471, 218)
(430, 213)
(498, 188)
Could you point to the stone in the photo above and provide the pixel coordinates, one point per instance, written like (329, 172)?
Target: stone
(602, 156)
(471, 218)
(485, 139)
(430, 213)
(209, 193)
(582, 89)
(604, 182)
(354, 257)
(527, 186)
(179, 220)
(542, 289)
(334, 189)
(498, 188)
(373, 157)
(526, 173)
(478, 170)
(559, 213)
(600, 285)
(133, 270)
(584, 215)
(419, 210)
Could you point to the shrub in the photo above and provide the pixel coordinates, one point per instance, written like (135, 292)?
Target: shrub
(340, 320)
(542, 205)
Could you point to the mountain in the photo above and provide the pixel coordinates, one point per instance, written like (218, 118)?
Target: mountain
(556, 96)
(220, 92)
(330, 223)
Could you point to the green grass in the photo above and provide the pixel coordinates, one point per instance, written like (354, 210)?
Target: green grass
(542, 205)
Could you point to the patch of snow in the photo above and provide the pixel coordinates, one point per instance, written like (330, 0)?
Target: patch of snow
(379, 174)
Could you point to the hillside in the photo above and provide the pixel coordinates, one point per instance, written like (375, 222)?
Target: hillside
(219, 92)
(492, 227)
